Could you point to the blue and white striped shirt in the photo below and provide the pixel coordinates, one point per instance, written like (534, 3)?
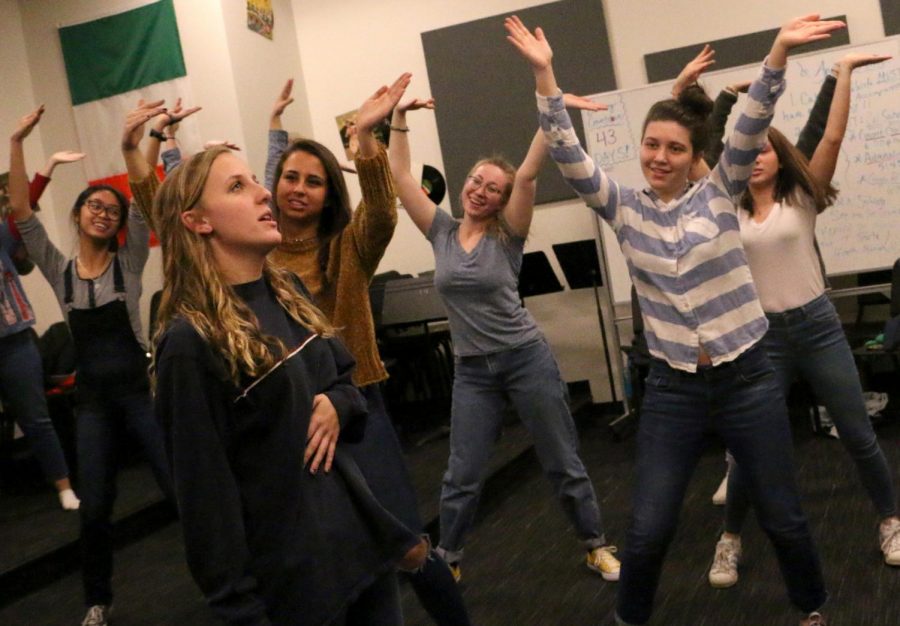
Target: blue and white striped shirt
(685, 257)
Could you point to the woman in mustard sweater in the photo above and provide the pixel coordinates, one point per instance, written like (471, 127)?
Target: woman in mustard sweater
(335, 253)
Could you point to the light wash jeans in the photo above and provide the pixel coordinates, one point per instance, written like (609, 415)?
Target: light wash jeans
(742, 402)
(528, 376)
(809, 342)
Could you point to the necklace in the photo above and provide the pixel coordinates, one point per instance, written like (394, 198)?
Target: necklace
(84, 272)
(294, 241)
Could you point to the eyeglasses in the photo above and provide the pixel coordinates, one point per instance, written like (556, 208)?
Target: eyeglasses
(489, 188)
(96, 208)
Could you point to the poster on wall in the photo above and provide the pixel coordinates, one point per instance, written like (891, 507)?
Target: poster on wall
(346, 123)
(260, 18)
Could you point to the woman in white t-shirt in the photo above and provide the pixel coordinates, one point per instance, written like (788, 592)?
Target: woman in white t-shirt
(805, 338)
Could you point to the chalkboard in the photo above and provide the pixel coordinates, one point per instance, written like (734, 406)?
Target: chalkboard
(861, 232)
(485, 92)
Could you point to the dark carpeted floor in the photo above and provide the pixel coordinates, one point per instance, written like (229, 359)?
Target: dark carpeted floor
(524, 565)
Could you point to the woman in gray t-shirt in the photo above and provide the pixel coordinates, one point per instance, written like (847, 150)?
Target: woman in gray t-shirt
(500, 353)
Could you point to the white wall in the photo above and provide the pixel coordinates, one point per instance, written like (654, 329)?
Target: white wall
(338, 53)
(16, 99)
(231, 72)
(349, 48)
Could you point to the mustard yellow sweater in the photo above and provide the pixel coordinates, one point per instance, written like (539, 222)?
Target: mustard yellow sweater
(353, 259)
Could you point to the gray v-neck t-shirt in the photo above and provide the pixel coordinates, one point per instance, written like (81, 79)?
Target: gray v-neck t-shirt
(480, 290)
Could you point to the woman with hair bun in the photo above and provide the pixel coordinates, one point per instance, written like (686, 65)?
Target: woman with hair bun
(704, 323)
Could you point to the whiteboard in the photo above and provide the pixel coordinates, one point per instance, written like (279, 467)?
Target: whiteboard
(861, 232)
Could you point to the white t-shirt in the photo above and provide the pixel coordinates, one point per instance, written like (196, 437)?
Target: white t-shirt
(782, 256)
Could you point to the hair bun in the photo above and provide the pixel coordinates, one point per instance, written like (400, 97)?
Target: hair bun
(695, 100)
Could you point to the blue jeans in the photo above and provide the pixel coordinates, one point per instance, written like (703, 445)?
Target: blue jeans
(741, 400)
(100, 421)
(381, 461)
(809, 342)
(529, 377)
(22, 388)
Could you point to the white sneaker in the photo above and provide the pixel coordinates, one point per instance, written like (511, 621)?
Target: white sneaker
(721, 494)
(68, 500)
(724, 573)
(889, 536)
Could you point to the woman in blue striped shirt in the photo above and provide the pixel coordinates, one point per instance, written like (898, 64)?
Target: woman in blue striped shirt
(703, 319)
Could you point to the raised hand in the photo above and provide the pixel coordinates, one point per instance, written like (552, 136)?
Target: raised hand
(854, 60)
(27, 124)
(283, 99)
(66, 156)
(806, 29)
(415, 104)
(135, 121)
(580, 102)
(691, 72)
(534, 48)
(174, 117)
(380, 104)
(220, 142)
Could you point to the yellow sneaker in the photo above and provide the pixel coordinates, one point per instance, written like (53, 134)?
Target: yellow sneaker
(602, 561)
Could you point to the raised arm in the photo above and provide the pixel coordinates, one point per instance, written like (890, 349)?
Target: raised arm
(278, 137)
(520, 207)
(797, 32)
(136, 163)
(163, 131)
(19, 203)
(418, 206)
(749, 136)
(375, 219)
(722, 106)
(690, 73)
(583, 175)
(824, 159)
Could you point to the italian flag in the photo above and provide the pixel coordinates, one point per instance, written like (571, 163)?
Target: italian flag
(113, 62)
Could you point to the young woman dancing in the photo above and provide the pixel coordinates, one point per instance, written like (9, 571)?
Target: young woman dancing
(21, 370)
(805, 338)
(336, 253)
(703, 320)
(254, 393)
(500, 353)
(99, 291)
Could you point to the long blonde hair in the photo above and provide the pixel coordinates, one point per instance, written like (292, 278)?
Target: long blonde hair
(193, 288)
(498, 228)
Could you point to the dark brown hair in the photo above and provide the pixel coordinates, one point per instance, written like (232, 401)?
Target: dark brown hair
(690, 110)
(793, 177)
(336, 210)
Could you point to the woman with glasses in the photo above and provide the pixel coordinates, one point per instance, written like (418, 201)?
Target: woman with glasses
(500, 353)
(99, 290)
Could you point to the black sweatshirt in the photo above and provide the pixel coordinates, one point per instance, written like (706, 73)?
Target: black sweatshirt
(266, 541)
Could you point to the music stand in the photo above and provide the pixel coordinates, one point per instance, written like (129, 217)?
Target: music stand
(536, 276)
(581, 266)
